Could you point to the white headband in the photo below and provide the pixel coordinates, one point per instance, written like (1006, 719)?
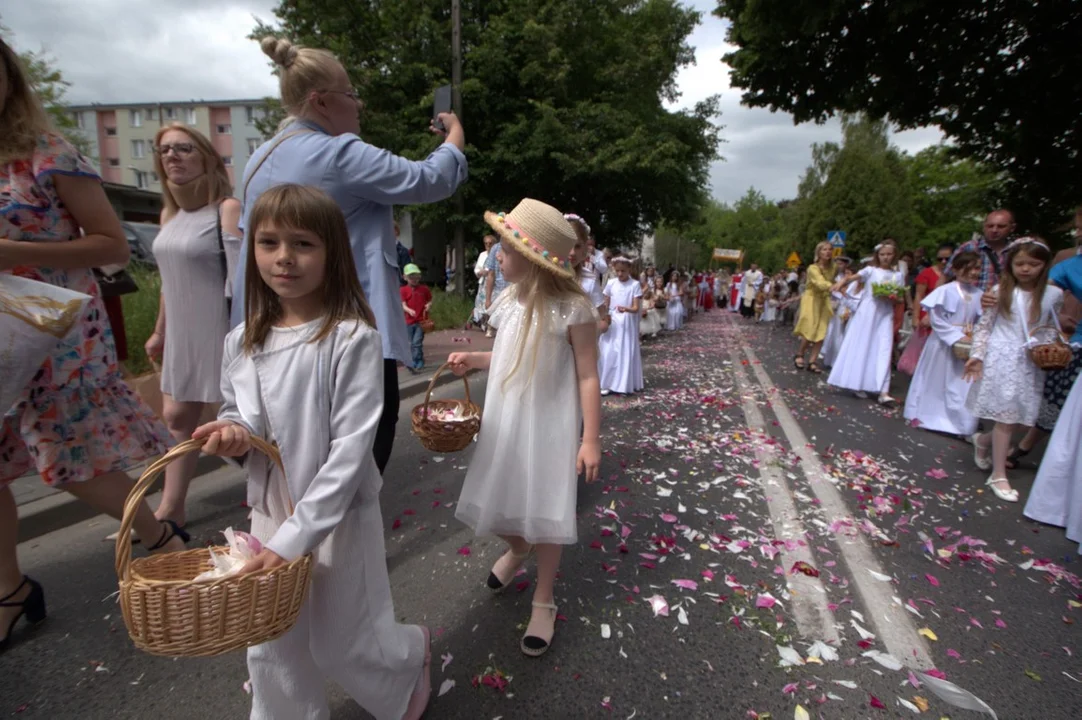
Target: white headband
(1028, 240)
(572, 217)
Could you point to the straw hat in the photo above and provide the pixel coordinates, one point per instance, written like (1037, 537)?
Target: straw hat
(539, 232)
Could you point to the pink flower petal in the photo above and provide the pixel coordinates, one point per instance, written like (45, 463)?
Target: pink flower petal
(659, 605)
(464, 550)
(686, 584)
(876, 702)
(668, 517)
(932, 579)
(766, 600)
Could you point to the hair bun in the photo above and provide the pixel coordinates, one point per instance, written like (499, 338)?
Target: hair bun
(280, 50)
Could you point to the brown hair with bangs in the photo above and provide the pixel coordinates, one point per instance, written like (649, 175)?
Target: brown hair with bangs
(303, 208)
(218, 186)
(1038, 250)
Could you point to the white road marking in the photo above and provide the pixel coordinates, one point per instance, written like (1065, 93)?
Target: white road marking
(814, 620)
(895, 629)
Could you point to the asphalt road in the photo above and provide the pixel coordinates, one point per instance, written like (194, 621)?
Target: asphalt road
(760, 511)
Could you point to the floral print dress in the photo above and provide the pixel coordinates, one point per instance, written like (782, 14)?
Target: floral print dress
(77, 419)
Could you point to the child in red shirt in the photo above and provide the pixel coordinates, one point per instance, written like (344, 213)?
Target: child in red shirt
(416, 300)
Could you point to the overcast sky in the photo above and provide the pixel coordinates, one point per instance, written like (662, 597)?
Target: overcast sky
(156, 50)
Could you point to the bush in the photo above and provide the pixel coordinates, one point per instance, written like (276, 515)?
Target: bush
(140, 316)
(449, 311)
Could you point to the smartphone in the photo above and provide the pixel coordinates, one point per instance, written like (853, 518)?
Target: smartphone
(441, 104)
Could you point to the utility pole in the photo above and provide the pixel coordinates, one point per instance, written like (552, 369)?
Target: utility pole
(456, 102)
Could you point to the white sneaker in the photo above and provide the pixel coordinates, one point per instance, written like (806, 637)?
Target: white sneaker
(605, 392)
(885, 399)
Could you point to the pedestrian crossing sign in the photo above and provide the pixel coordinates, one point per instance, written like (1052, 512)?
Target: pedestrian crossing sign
(836, 238)
(793, 261)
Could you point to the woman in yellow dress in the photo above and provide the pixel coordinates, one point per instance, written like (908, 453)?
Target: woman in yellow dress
(815, 312)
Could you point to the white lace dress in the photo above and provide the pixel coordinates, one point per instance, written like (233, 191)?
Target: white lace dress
(522, 478)
(1011, 387)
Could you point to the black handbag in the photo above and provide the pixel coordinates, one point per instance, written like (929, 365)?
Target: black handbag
(115, 283)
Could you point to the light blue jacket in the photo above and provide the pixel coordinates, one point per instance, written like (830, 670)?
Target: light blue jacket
(366, 182)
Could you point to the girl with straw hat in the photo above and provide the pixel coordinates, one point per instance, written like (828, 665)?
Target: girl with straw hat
(542, 383)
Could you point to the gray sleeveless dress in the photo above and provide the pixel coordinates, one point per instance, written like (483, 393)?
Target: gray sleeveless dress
(196, 314)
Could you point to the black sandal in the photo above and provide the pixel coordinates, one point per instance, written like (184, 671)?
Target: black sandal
(32, 608)
(814, 368)
(1015, 455)
(798, 360)
(170, 530)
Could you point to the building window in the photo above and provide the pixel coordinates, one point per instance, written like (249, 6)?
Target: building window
(110, 131)
(138, 149)
(77, 118)
(225, 129)
(142, 179)
(253, 144)
(152, 113)
(250, 114)
(228, 160)
(191, 116)
(153, 177)
(170, 113)
(114, 162)
(136, 118)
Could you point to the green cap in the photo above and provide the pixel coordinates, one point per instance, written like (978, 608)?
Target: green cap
(411, 269)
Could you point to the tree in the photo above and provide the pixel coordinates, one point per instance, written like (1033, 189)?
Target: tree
(980, 70)
(563, 100)
(51, 87)
(951, 195)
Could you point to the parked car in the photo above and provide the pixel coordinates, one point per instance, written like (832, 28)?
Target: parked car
(141, 241)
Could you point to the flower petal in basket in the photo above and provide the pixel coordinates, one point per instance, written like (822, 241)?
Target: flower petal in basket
(446, 425)
(169, 614)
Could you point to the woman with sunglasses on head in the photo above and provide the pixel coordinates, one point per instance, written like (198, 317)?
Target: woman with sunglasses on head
(196, 251)
(318, 145)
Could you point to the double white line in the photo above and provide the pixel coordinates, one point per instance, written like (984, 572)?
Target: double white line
(814, 619)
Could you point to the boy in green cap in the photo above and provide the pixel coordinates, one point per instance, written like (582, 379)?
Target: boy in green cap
(416, 300)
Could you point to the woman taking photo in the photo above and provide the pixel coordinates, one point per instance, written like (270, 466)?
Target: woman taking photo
(195, 250)
(815, 312)
(318, 145)
(77, 424)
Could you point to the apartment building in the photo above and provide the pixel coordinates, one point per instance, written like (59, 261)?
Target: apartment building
(122, 136)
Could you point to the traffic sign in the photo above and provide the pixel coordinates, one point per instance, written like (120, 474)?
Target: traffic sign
(836, 238)
(836, 252)
(793, 261)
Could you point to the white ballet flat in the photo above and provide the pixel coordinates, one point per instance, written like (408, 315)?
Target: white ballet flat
(861, 394)
(1004, 495)
(982, 463)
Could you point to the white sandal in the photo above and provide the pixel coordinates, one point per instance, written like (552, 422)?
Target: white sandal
(495, 584)
(982, 463)
(533, 646)
(1008, 495)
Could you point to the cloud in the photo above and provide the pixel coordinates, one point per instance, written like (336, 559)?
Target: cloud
(124, 51)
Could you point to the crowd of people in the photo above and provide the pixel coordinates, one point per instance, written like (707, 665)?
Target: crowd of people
(285, 305)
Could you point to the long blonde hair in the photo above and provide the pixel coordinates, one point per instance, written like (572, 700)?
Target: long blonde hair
(1038, 250)
(303, 208)
(23, 119)
(538, 288)
(301, 70)
(218, 185)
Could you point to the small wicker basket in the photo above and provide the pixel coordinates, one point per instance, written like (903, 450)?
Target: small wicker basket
(1054, 355)
(428, 325)
(168, 614)
(441, 436)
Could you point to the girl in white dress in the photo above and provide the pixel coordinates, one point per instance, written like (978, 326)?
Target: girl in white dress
(674, 303)
(306, 372)
(620, 367)
(937, 395)
(1009, 385)
(863, 362)
(650, 324)
(542, 383)
(844, 302)
(587, 275)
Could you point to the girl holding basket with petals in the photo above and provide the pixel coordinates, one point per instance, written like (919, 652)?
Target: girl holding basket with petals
(542, 382)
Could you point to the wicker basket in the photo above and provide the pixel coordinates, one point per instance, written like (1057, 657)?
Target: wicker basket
(440, 436)
(428, 325)
(168, 614)
(1055, 355)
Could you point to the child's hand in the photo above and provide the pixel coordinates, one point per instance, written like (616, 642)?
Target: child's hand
(412, 312)
(265, 560)
(974, 369)
(989, 300)
(589, 459)
(603, 326)
(224, 438)
(461, 362)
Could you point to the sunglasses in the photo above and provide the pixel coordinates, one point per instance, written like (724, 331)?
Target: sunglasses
(942, 259)
(179, 149)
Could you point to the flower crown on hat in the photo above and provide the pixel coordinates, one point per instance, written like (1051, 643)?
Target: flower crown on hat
(540, 232)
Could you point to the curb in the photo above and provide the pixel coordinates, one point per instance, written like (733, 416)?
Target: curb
(59, 509)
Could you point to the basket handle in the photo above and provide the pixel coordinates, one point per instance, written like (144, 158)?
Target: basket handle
(1063, 337)
(432, 385)
(139, 491)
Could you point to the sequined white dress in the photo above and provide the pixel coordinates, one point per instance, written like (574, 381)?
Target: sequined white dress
(522, 478)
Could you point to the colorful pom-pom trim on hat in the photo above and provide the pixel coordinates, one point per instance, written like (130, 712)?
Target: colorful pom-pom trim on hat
(531, 244)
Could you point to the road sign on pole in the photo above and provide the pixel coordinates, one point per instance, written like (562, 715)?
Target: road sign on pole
(793, 261)
(836, 238)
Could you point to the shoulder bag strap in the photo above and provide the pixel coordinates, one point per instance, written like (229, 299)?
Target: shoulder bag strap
(278, 141)
(994, 258)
